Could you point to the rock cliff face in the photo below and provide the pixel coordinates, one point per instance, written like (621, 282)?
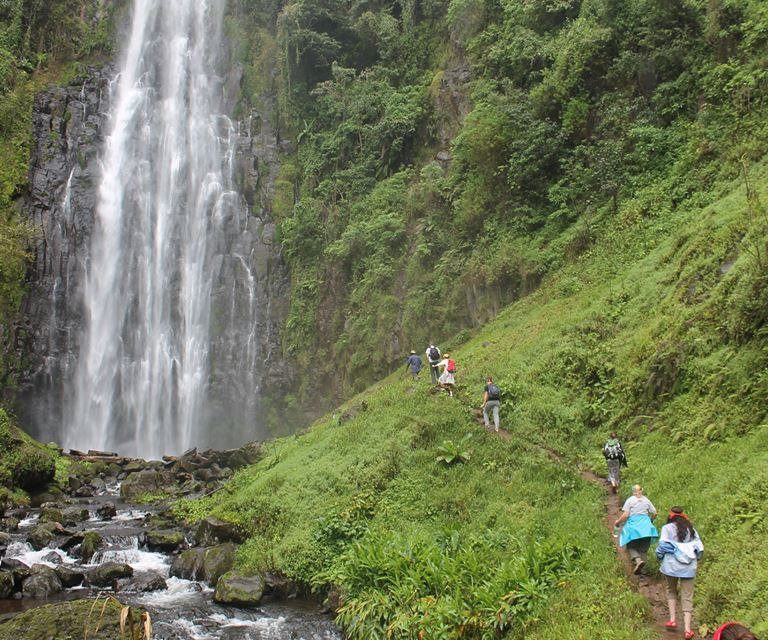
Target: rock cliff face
(69, 126)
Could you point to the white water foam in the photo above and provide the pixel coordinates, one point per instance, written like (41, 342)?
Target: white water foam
(26, 554)
(139, 559)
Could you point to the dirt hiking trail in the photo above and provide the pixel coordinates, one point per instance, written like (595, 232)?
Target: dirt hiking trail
(648, 586)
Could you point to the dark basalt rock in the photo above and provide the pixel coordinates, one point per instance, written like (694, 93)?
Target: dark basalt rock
(52, 558)
(7, 584)
(74, 515)
(145, 582)
(212, 530)
(70, 576)
(206, 565)
(240, 590)
(104, 575)
(141, 482)
(43, 534)
(41, 583)
(107, 511)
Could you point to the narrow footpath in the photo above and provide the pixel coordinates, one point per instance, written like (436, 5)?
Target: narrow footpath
(648, 586)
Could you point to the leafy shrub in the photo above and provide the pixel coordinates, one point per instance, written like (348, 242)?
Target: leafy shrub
(450, 453)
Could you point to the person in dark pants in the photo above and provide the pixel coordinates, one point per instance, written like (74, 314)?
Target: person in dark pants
(637, 531)
(433, 357)
(413, 364)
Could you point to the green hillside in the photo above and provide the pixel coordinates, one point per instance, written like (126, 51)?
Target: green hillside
(656, 330)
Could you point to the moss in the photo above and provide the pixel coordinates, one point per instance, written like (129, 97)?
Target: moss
(94, 619)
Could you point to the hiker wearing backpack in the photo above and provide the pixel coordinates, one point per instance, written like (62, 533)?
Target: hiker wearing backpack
(413, 364)
(615, 458)
(637, 531)
(433, 357)
(492, 401)
(679, 550)
(733, 631)
(446, 381)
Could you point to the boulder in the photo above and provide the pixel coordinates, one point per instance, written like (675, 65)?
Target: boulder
(163, 540)
(51, 513)
(92, 542)
(211, 531)
(74, 515)
(9, 524)
(279, 586)
(105, 574)
(74, 483)
(70, 576)
(98, 485)
(52, 558)
(86, 491)
(5, 539)
(75, 619)
(41, 582)
(142, 583)
(204, 564)
(188, 564)
(141, 482)
(42, 535)
(240, 590)
(107, 511)
(7, 584)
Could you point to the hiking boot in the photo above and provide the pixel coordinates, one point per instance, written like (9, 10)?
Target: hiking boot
(639, 564)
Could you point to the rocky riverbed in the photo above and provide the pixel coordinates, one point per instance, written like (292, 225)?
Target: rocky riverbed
(110, 534)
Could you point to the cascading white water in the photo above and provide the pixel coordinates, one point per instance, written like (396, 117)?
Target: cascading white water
(168, 217)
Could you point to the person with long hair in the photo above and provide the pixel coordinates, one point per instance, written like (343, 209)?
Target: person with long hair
(679, 551)
(733, 631)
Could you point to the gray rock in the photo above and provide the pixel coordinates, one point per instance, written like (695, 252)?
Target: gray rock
(52, 558)
(206, 565)
(5, 539)
(70, 576)
(42, 535)
(105, 574)
(74, 515)
(142, 583)
(240, 590)
(10, 524)
(51, 513)
(211, 531)
(41, 583)
(7, 584)
(107, 511)
(141, 482)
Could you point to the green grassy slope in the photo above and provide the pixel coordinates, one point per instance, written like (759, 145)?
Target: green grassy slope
(656, 331)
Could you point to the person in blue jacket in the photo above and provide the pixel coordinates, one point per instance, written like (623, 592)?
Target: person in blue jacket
(637, 531)
(413, 365)
(679, 550)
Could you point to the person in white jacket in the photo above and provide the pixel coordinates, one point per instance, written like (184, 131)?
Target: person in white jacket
(679, 550)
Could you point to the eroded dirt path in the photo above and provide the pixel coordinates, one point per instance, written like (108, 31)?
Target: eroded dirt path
(648, 586)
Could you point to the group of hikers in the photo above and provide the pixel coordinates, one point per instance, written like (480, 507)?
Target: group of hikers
(442, 371)
(679, 549)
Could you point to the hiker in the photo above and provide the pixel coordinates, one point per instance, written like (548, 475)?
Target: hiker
(733, 631)
(492, 401)
(446, 381)
(413, 364)
(433, 357)
(638, 531)
(679, 551)
(615, 458)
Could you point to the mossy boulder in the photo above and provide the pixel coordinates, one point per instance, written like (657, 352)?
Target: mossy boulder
(143, 482)
(204, 564)
(70, 576)
(240, 590)
(7, 584)
(42, 535)
(92, 542)
(164, 540)
(74, 515)
(51, 514)
(104, 575)
(68, 621)
(211, 531)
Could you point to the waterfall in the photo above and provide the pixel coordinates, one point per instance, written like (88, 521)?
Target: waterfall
(169, 285)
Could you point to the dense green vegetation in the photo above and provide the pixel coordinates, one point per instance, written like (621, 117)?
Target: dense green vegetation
(656, 331)
(575, 108)
(40, 41)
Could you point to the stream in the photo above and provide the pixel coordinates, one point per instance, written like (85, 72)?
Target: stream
(183, 610)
